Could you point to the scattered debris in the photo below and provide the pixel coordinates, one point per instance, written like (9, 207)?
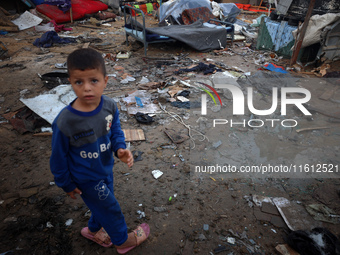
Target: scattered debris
(323, 213)
(68, 222)
(175, 136)
(137, 155)
(157, 173)
(159, 209)
(141, 214)
(143, 118)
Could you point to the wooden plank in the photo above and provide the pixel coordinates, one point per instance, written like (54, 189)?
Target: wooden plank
(86, 45)
(134, 135)
(301, 35)
(311, 128)
(43, 134)
(9, 29)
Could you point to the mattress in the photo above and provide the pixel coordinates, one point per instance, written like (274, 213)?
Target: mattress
(79, 9)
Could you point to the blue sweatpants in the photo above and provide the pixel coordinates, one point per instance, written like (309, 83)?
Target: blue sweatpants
(105, 210)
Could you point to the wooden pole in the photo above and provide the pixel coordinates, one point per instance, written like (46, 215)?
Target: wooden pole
(71, 14)
(301, 35)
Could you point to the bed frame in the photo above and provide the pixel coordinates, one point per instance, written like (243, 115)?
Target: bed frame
(139, 33)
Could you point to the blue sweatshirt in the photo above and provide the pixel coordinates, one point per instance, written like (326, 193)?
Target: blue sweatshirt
(83, 144)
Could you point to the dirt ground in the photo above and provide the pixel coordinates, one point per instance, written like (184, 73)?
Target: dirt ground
(206, 211)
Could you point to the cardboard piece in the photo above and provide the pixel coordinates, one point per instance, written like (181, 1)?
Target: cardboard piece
(134, 135)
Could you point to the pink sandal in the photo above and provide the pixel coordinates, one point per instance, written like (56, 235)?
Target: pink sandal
(142, 232)
(99, 237)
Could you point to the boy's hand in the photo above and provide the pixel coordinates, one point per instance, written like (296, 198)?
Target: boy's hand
(73, 193)
(125, 156)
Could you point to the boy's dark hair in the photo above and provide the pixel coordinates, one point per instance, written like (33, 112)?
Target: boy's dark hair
(83, 59)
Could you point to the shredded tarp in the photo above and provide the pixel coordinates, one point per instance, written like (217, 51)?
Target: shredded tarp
(315, 26)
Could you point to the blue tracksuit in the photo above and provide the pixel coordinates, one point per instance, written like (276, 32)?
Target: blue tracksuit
(82, 157)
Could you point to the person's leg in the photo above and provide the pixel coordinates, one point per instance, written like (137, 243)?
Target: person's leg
(131, 241)
(93, 225)
(138, 236)
(105, 211)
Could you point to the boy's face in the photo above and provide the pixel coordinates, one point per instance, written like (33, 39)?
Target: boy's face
(88, 86)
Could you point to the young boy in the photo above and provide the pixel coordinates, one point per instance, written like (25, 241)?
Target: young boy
(85, 135)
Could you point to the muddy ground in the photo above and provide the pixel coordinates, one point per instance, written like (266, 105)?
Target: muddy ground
(206, 209)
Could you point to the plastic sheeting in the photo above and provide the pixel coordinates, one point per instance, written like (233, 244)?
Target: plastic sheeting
(51, 103)
(315, 26)
(230, 12)
(174, 9)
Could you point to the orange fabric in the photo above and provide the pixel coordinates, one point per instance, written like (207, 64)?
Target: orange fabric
(246, 7)
(143, 8)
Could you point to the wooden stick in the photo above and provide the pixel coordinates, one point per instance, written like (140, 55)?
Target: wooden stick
(71, 14)
(300, 36)
(312, 128)
(43, 134)
(9, 29)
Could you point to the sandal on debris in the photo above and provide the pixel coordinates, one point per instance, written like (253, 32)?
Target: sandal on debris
(141, 233)
(99, 237)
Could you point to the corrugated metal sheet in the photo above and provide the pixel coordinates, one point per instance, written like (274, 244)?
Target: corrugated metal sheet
(283, 6)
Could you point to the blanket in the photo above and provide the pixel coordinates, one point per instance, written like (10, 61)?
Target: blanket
(190, 16)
